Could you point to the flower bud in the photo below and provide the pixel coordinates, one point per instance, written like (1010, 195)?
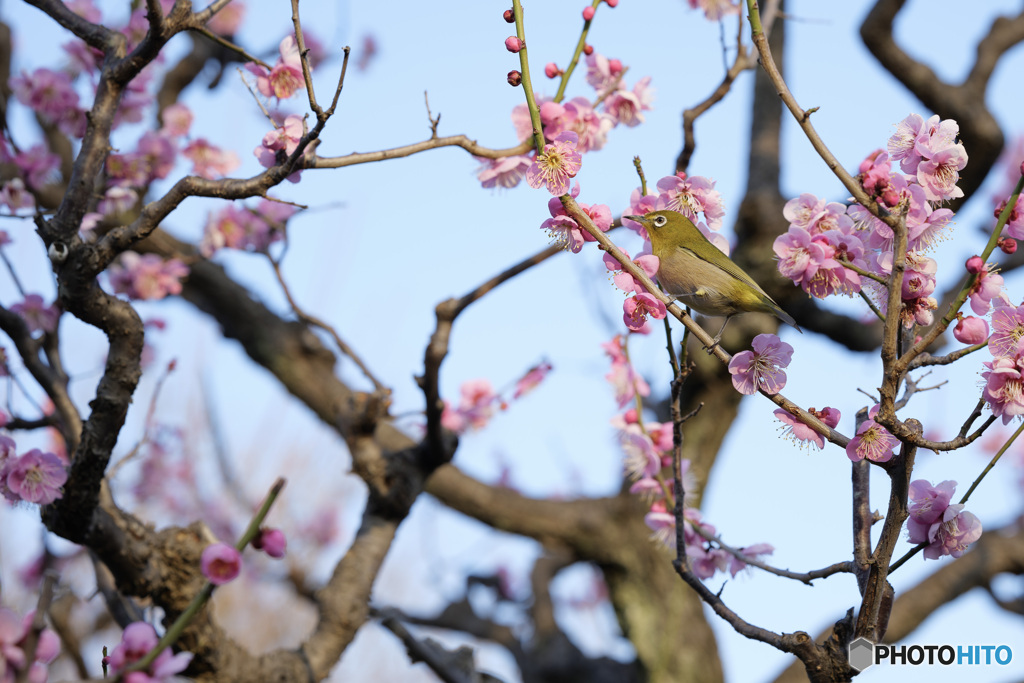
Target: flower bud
(588, 13)
(614, 67)
(509, 16)
(971, 330)
(588, 49)
(612, 3)
(513, 44)
(975, 265)
(515, 78)
(1022, 168)
(552, 70)
(1008, 245)
(271, 541)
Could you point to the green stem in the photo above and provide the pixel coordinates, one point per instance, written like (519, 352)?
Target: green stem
(186, 617)
(575, 56)
(991, 464)
(524, 64)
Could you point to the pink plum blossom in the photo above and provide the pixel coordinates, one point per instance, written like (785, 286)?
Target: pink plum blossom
(646, 261)
(37, 316)
(210, 161)
(636, 309)
(241, 228)
(971, 330)
(602, 72)
(626, 382)
(35, 477)
(951, 536)
(762, 368)
(15, 196)
(627, 106)
(736, 565)
(147, 276)
(987, 286)
(553, 167)
(177, 118)
(929, 504)
(504, 172)
(715, 10)
(475, 408)
(220, 563)
(803, 432)
(14, 636)
(939, 174)
(136, 642)
(533, 377)
(873, 441)
(48, 93)
(285, 77)
(693, 195)
(37, 165)
(1004, 386)
(1007, 330)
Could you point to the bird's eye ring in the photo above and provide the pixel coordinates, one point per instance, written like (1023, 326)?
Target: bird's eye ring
(660, 221)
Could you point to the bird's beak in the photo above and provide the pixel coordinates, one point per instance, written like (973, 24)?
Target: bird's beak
(639, 219)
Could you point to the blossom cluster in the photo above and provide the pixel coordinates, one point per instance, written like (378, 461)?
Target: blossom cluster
(947, 529)
(146, 276)
(479, 399)
(1004, 374)
(33, 477)
(570, 128)
(137, 640)
(829, 244)
(244, 228)
(38, 316)
(14, 634)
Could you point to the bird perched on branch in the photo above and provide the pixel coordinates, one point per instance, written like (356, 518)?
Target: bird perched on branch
(696, 272)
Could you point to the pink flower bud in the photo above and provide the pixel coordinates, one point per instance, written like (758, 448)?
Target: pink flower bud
(1022, 168)
(614, 67)
(890, 197)
(271, 541)
(1008, 245)
(509, 16)
(975, 265)
(588, 49)
(515, 78)
(630, 416)
(588, 13)
(220, 563)
(612, 3)
(513, 44)
(971, 330)
(551, 70)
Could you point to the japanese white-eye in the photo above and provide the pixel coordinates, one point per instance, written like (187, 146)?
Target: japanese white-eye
(696, 272)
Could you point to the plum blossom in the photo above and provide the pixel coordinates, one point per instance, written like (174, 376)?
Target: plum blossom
(14, 635)
(715, 10)
(220, 563)
(34, 477)
(970, 330)
(645, 260)
(554, 166)
(281, 143)
(625, 381)
(48, 93)
(762, 368)
(1007, 330)
(177, 118)
(578, 116)
(37, 317)
(627, 106)
(800, 431)
(147, 276)
(286, 77)
(951, 536)
(736, 565)
(929, 504)
(15, 196)
(533, 377)
(475, 408)
(504, 172)
(602, 72)
(872, 441)
(635, 310)
(1004, 386)
(690, 196)
(136, 642)
(210, 161)
(242, 228)
(986, 288)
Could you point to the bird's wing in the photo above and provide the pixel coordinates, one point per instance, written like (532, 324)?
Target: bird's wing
(731, 268)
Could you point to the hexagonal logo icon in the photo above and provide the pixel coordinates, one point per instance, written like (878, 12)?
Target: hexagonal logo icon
(862, 654)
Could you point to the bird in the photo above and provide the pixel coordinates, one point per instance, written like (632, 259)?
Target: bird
(693, 270)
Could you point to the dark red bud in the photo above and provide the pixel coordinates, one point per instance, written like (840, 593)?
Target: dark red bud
(510, 17)
(975, 265)
(513, 44)
(515, 78)
(588, 49)
(1008, 245)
